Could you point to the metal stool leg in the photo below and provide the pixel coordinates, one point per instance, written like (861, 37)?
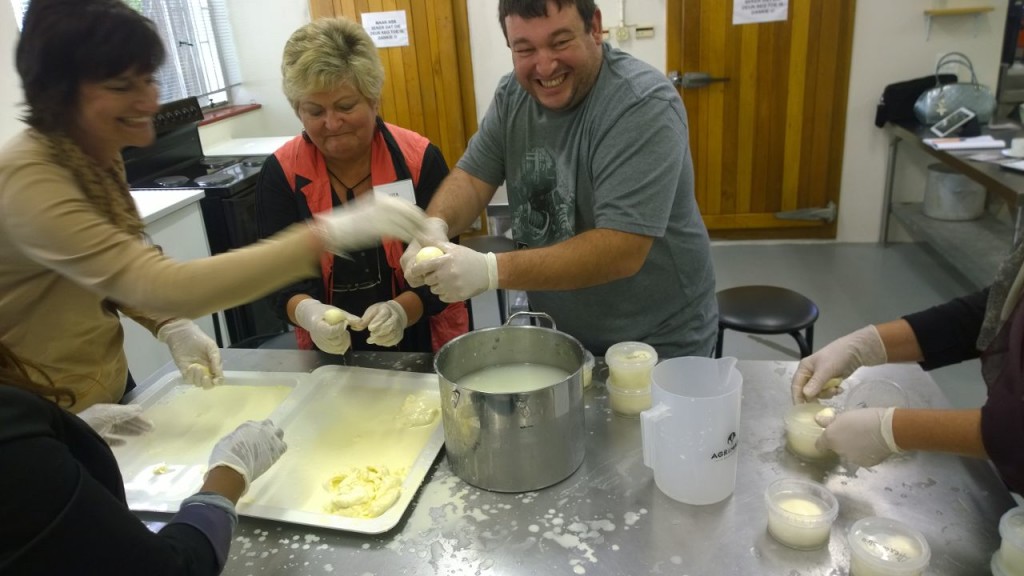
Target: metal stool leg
(718, 344)
(801, 342)
(502, 306)
(810, 339)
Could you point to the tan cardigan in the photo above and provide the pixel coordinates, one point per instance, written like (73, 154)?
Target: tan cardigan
(60, 259)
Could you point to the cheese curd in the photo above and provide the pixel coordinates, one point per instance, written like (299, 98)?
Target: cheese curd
(365, 492)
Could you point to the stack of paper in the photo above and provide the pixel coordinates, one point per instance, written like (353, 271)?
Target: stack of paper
(975, 143)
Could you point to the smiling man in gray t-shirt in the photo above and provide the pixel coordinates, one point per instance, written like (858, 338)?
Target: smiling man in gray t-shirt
(592, 145)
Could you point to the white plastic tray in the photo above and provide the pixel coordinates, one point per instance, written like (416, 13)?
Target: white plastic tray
(334, 418)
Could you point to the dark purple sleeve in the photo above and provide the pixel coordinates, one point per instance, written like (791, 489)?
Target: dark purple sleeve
(948, 333)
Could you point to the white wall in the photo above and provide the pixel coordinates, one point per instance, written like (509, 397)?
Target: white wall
(10, 88)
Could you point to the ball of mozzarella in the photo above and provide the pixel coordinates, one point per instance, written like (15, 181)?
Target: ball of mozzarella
(429, 253)
(334, 316)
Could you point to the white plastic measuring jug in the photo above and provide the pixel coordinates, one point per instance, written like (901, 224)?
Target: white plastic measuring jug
(691, 432)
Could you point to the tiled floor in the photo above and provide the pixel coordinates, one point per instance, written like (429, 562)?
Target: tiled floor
(852, 284)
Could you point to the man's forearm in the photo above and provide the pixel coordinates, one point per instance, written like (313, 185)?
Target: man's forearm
(459, 200)
(594, 257)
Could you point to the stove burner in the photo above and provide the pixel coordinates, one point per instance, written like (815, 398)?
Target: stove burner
(171, 181)
(253, 161)
(214, 162)
(216, 179)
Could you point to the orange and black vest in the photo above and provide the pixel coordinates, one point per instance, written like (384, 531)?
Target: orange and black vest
(395, 154)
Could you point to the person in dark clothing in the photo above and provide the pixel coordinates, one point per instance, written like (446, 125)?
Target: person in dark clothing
(333, 78)
(988, 324)
(62, 498)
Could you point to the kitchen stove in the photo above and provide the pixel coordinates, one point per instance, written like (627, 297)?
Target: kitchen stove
(176, 161)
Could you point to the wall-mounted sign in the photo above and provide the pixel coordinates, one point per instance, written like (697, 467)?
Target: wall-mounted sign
(388, 29)
(755, 11)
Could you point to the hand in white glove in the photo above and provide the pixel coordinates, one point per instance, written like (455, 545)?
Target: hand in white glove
(327, 325)
(113, 421)
(862, 437)
(434, 233)
(250, 450)
(387, 322)
(460, 274)
(195, 354)
(838, 359)
(361, 223)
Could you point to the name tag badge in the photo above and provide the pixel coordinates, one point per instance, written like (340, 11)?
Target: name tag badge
(401, 189)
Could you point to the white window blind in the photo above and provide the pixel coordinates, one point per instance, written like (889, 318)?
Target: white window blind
(201, 59)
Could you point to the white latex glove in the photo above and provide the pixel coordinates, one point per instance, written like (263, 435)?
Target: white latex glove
(862, 437)
(195, 354)
(837, 360)
(434, 233)
(327, 325)
(460, 274)
(386, 321)
(113, 421)
(251, 449)
(361, 223)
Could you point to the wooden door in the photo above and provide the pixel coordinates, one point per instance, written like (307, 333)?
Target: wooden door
(767, 141)
(429, 83)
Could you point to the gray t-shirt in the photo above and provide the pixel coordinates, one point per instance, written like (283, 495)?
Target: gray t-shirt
(619, 160)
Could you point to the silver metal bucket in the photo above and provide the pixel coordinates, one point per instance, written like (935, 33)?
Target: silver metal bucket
(512, 442)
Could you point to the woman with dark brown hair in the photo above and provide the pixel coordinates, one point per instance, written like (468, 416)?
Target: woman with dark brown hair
(62, 498)
(72, 248)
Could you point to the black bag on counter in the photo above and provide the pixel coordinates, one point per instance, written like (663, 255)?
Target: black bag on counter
(897, 103)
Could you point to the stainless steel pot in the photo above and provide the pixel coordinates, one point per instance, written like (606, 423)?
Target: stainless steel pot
(512, 442)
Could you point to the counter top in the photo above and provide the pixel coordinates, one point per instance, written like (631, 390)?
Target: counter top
(264, 146)
(155, 203)
(610, 518)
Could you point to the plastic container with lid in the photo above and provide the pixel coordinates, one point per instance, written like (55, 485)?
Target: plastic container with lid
(588, 368)
(1009, 559)
(628, 402)
(630, 365)
(800, 513)
(802, 431)
(886, 547)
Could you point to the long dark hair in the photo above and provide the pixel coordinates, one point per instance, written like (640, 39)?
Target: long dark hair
(66, 42)
(15, 371)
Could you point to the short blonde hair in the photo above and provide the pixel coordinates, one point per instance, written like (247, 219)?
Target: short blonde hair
(326, 53)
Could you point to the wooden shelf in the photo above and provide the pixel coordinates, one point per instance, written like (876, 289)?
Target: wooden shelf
(975, 11)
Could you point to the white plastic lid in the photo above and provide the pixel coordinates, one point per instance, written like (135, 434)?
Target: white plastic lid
(1011, 527)
(631, 355)
(888, 546)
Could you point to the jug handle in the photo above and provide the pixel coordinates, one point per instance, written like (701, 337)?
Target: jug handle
(648, 431)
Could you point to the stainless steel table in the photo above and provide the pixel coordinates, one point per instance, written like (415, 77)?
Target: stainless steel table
(610, 518)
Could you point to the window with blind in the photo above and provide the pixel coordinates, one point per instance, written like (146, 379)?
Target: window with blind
(201, 59)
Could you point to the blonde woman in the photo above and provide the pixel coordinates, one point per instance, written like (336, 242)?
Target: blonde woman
(333, 79)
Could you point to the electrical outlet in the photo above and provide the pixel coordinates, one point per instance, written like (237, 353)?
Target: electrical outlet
(645, 32)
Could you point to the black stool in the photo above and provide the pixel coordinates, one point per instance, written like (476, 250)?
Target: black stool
(496, 244)
(767, 310)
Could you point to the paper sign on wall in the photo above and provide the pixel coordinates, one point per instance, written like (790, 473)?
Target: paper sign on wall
(755, 11)
(388, 29)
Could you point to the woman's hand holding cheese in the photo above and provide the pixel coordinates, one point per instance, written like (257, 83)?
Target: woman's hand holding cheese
(386, 322)
(195, 354)
(327, 325)
(838, 359)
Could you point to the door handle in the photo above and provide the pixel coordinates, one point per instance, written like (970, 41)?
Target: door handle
(693, 79)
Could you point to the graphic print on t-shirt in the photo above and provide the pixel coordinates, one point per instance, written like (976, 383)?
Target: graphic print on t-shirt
(544, 210)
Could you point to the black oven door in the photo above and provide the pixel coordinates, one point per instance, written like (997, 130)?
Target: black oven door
(231, 223)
